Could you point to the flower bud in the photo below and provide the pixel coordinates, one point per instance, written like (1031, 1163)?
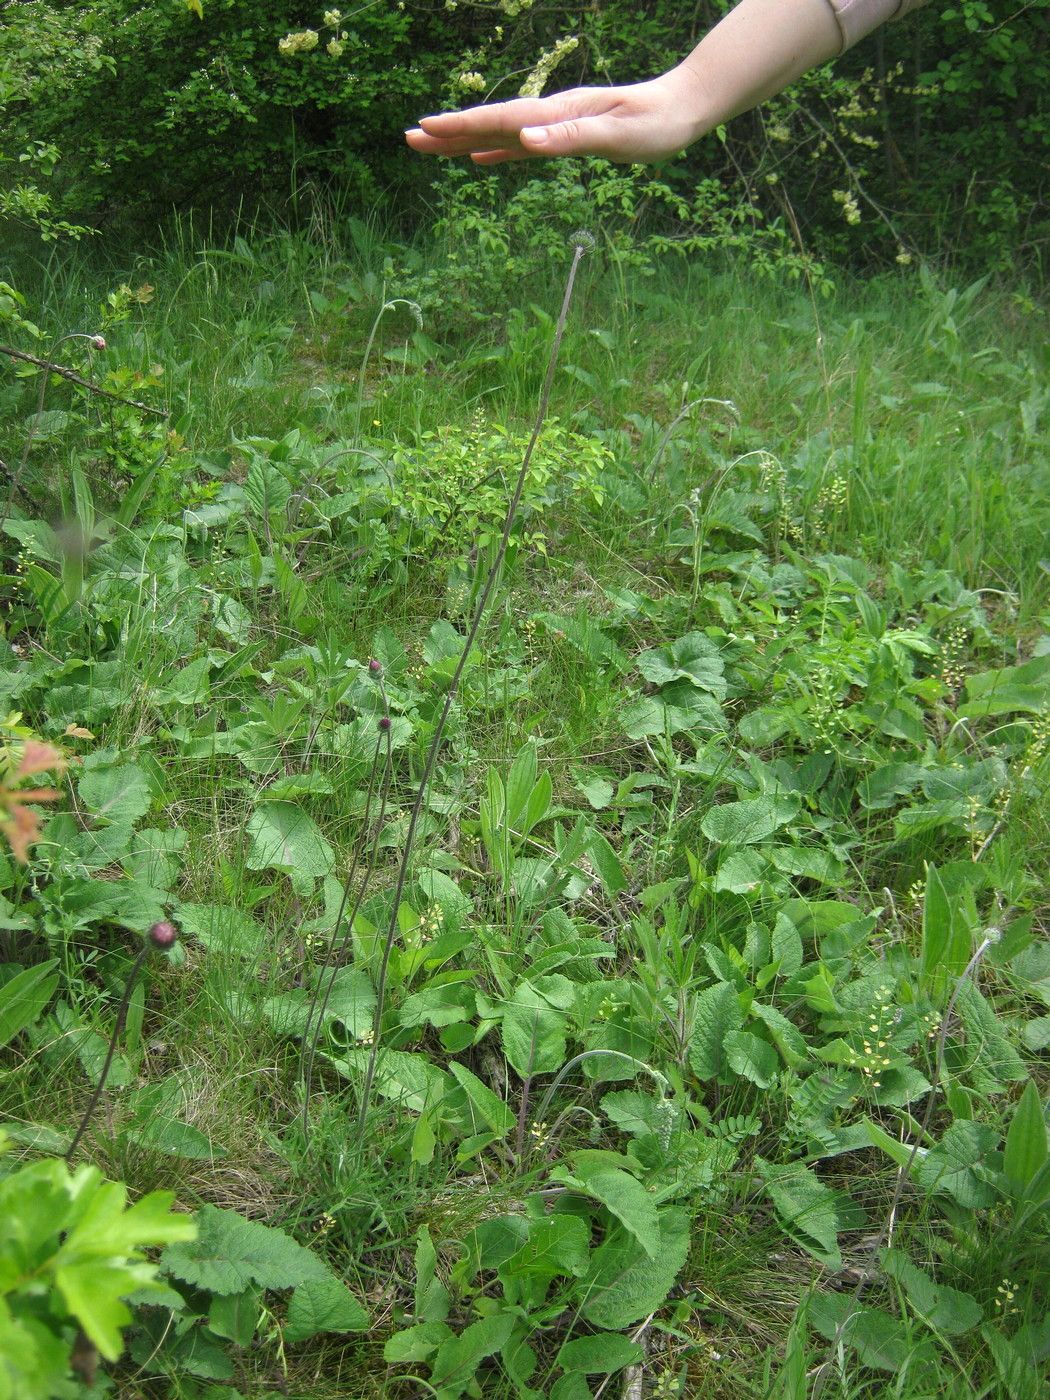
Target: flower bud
(384, 724)
(163, 934)
(99, 342)
(375, 666)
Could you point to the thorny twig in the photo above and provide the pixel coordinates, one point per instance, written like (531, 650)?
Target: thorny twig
(74, 378)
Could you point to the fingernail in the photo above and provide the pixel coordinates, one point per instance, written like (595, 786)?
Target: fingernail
(536, 134)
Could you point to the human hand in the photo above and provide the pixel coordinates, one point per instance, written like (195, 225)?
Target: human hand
(639, 122)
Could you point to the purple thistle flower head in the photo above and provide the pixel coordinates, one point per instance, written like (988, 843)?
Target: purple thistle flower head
(384, 724)
(163, 934)
(375, 666)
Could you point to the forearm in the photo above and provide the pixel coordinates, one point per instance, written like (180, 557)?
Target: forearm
(756, 50)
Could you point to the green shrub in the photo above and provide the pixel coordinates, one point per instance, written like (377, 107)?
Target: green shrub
(926, 137)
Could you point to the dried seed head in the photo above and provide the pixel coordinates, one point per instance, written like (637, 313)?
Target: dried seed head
(583, 240)
(163, 934)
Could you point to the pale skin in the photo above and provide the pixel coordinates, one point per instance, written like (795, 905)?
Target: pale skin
(756, 50)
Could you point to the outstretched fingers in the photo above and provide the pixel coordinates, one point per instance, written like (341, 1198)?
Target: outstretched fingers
(579, 136)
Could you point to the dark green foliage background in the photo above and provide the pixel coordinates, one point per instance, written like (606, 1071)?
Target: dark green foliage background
(938, 125)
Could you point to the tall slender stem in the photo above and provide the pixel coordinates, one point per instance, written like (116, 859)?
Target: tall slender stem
(329, 965)
(118, 1028)
(583, 243)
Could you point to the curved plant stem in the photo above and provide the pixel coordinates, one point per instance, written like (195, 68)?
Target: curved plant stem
(417, 316)
(122, 1012)
(583, 243)
(330, 964)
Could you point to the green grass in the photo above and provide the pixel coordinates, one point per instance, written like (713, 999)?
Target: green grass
(842, 543)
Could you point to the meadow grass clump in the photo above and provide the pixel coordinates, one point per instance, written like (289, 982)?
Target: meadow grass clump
(612, 952)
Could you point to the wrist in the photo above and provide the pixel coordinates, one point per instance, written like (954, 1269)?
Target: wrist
(691, 99)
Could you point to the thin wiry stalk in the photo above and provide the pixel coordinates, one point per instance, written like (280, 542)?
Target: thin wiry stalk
(583, 242)
(417, 316)
(330, 965)
(118, 1028)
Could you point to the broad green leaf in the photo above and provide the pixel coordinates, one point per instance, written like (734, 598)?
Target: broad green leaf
(624, 1197)
(92, 1291)
(431, 1300)
(438, 1006)
(992, 1057)
(458, 1358)
(751, 1058)
(694, 658)
(946, 1309)
(786, 1036)
(607, 864)
(323, 1305)
(981, 779)
(598, 791)
(521, 780)
(623, 1284)
(786, 946)
(120, 793)
(230, 1253)
(679, 709)
(808, 863)
(556, 1244)
(899, 1152)
(900, 1085)
(741, 871)
(493, 1111)
(747, 822)
(806, 1208)
(571, 1386)
(495, 1241)
(1019, 1379)
(1026, 1148)
(879, 1340)
(1024, 688)
(284, 838)
(36, 1204)
(1036, 1034)
(764, 726)
(600, 1354)
(534, 1033)
(187, 684)
(411, 1080)
(24, 997)
(416, 1343)
(266, 488)
(639, 1114)
(958, 1164)
(175, 1139)
(717, 1015)
(946, 939)
(107, 1227)
(234, 1315)
(222, 929)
